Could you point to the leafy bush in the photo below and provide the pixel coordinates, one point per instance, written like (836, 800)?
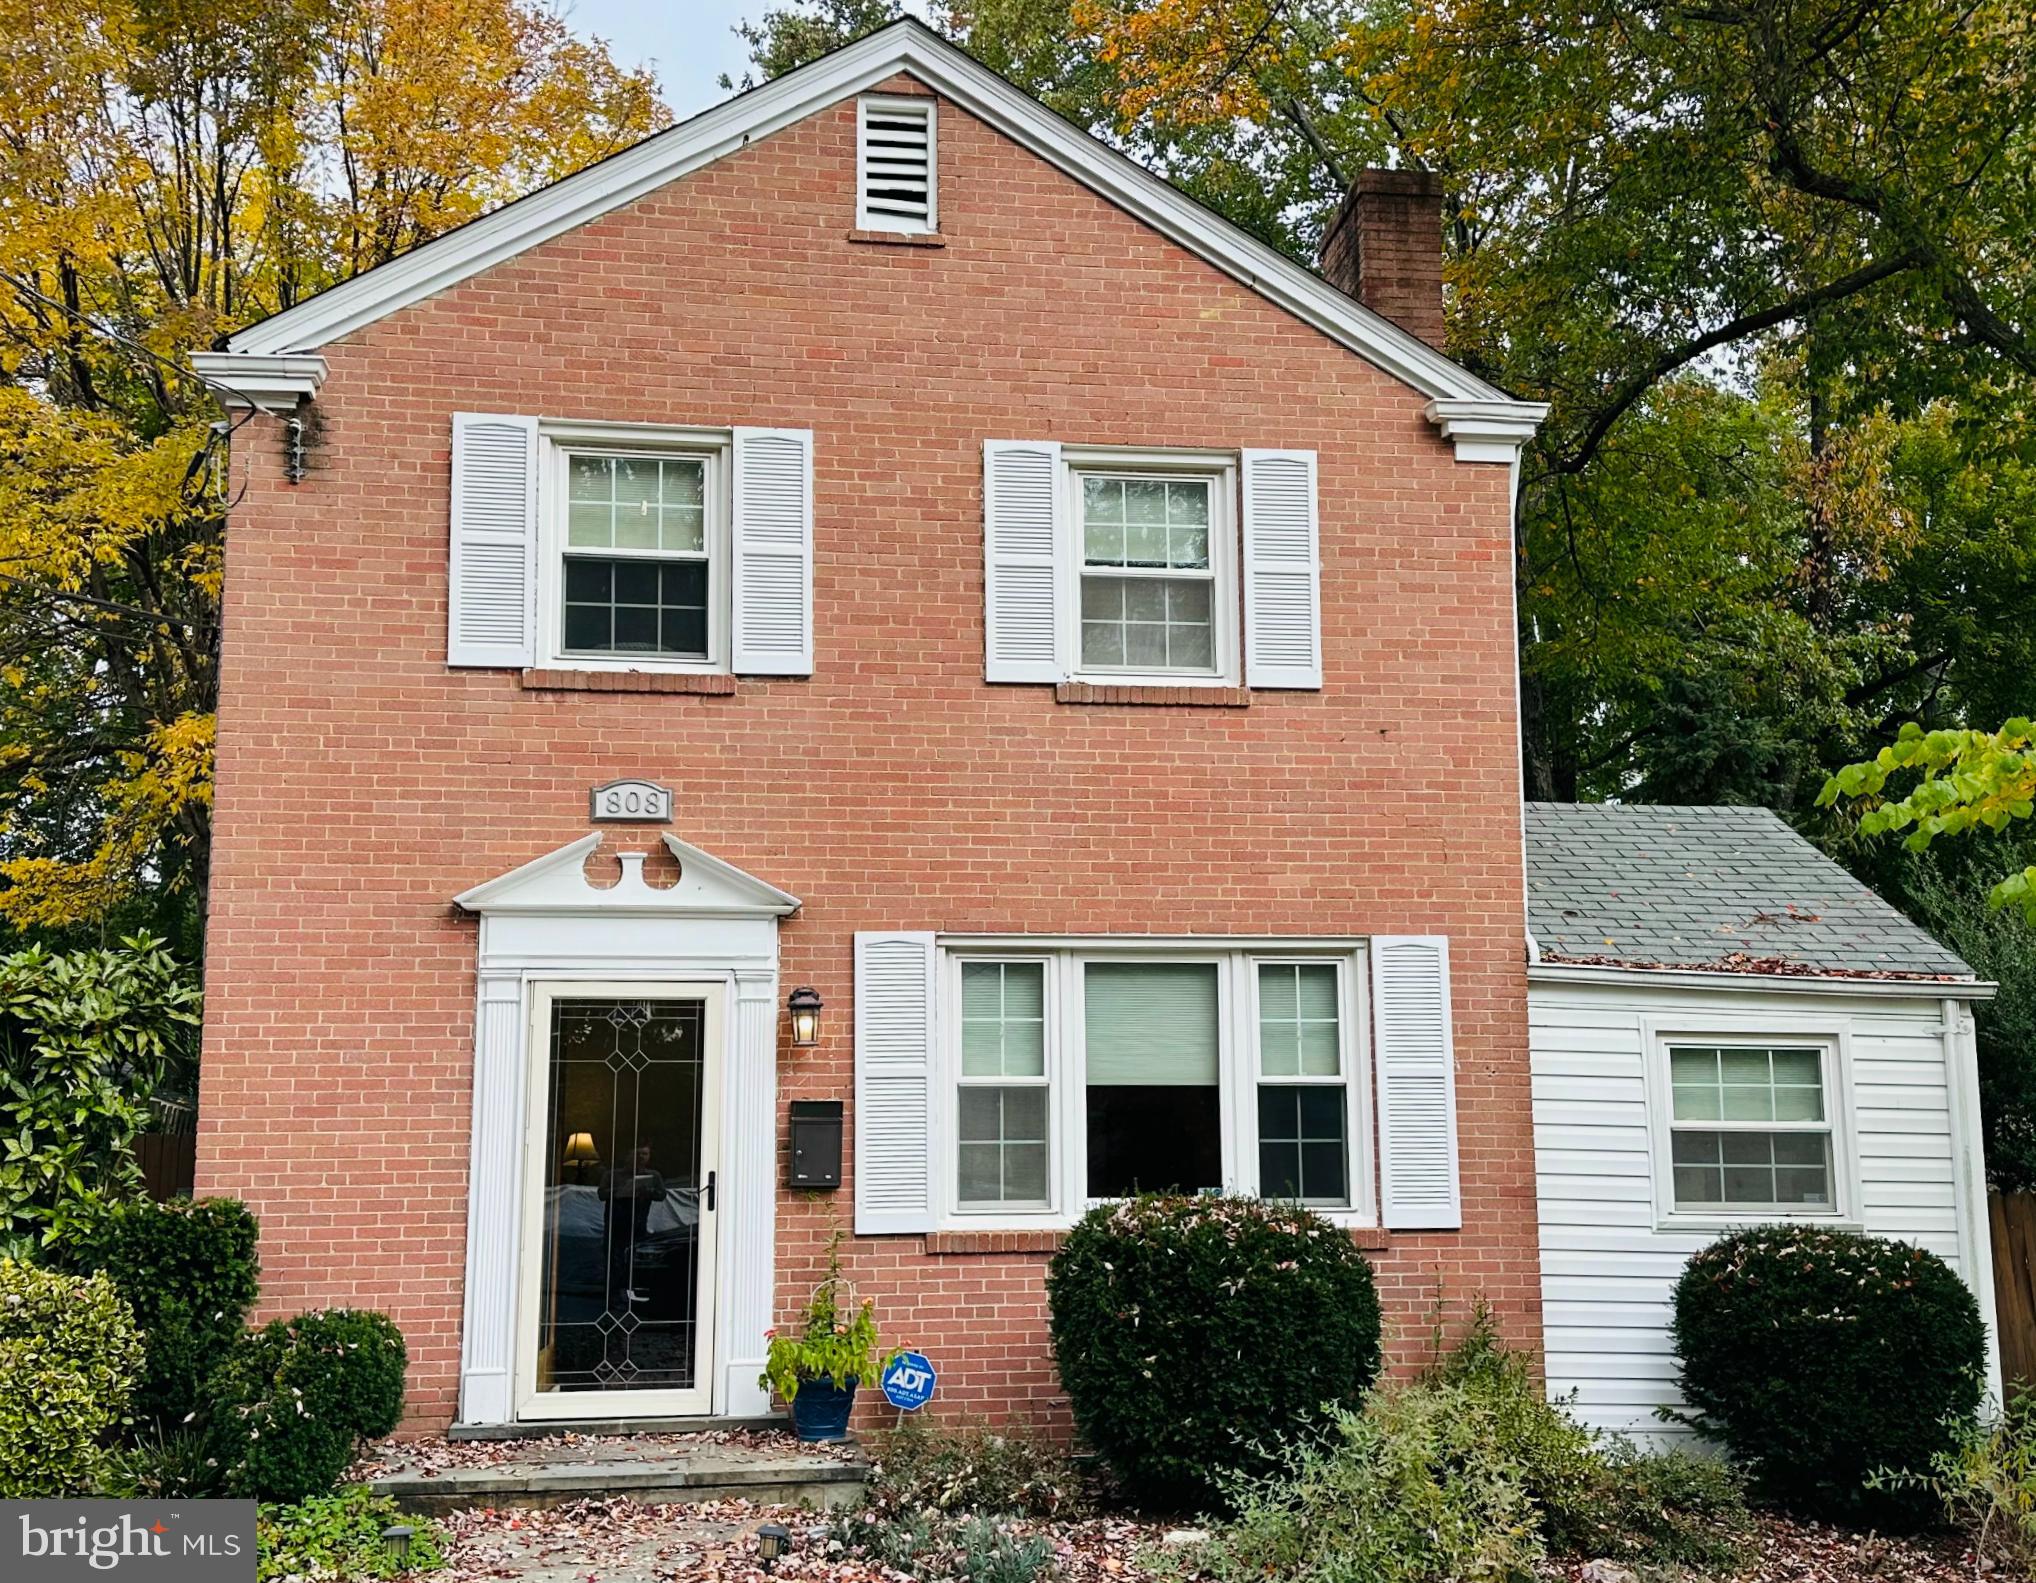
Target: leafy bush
(163, 1464)
(953, 1468)
(1598, 1496)
(1192, 1334)
(298, 1395)
(84, 1038)
(69, 1353)
(189, 1272)
(339, 1536)
(1468, 1472)
(1985, 1483)
(1816, 1357)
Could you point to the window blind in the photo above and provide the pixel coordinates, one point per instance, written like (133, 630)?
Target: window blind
(1150, 1024)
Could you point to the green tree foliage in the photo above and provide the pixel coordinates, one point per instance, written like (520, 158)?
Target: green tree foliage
(85, 1037)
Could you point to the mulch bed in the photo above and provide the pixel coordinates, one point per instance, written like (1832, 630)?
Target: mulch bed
(1798, 1552)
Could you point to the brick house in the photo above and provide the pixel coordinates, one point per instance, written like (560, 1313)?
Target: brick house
(871, 538)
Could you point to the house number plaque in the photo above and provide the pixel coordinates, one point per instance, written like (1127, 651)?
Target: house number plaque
(632, 802)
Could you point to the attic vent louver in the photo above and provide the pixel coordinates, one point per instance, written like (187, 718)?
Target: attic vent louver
(895, 165)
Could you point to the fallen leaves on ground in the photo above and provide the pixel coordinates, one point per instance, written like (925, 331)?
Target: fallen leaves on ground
(428, 1455)
(1799, 1552)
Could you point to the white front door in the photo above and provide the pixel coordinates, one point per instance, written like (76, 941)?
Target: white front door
(616, 1313)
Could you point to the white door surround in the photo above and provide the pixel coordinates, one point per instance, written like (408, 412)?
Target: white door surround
(545, 923)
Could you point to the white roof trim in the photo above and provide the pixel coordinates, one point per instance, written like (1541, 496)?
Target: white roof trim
(904, 46)
(1487, 431)
(271, 382)
(1791, 983)
(556, 884)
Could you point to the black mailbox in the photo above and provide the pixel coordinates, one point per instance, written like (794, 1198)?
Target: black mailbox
(816, 1143)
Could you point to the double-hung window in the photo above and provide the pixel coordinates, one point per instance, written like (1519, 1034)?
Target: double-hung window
(1155, 563)
(1084, 1074)
(634, 547)
(1750, 1128)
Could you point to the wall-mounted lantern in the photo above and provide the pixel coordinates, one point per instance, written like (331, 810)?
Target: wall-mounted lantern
(804, 1004)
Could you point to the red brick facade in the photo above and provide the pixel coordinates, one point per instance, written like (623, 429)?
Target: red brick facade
(363, 783)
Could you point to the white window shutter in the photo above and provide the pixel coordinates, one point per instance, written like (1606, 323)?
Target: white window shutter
(1414, 1052)
(894, 1044)
(773, 597)
(1282, 571)
(492, 601)
(1021, 533)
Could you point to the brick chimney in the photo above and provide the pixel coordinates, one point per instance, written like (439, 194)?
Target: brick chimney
(1384, 247)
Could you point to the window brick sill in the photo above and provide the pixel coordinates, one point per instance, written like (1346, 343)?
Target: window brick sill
(543, 681)
(899, 238)
(1193, 697)
(952, 1244)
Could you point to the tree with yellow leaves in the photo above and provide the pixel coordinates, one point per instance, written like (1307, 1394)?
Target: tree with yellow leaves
(169, 171)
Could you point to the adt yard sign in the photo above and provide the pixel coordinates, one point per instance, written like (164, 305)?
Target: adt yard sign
(908, 1381)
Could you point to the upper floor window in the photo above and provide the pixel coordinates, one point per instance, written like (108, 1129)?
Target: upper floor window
(638, 570)
(897, 165)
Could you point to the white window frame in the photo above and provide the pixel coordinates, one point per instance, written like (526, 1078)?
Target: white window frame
(897, 104)
(1220, 470)
(559, 443)
(1832, 1038)
(1238, 1072)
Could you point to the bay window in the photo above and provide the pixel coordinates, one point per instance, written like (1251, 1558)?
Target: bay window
(1085, 1073)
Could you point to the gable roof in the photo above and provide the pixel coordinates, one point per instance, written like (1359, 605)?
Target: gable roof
(1731, 889)
(904, 46)
(557, 883)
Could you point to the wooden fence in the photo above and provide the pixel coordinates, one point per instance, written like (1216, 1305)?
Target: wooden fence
(169, 1162)
(2013, 1218)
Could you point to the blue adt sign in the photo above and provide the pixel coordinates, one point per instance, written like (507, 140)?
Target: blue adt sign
(908, 1381)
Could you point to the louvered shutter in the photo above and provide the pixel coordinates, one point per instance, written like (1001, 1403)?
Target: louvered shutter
(492, 597)
(1021, 532)
(773, 509)
(896, 165)
(894, 1033)
(1414, 1054)
(1282, 571)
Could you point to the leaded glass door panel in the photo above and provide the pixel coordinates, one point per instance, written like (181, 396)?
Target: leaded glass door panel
(619, 1249)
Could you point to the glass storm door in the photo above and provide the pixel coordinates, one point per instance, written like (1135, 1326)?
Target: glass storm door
(618, 1301)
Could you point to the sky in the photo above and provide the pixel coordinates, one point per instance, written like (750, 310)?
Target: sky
(686, 42)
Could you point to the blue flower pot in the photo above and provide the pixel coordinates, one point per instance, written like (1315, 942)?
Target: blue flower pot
(820, 1410)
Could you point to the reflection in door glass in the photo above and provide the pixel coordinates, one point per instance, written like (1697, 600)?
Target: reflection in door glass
(619, 1304)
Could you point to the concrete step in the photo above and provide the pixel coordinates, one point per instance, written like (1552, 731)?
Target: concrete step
(771, 1469)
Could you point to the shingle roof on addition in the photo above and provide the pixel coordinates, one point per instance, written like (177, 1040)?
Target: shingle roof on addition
(1731, 889)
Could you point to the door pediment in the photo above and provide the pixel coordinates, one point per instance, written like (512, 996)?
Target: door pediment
(557, 884)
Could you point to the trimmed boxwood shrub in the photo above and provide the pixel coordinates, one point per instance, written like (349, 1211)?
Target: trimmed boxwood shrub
(69, 1352)
(297, 1396)
(1818, 1358)
(189, 1271)
(1193, 1334)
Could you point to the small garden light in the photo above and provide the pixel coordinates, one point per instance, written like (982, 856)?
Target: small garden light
(773, 1539)
(396, 1540)
(804, 1004)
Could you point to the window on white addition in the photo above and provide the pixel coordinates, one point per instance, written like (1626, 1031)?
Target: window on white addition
(1750, 1128)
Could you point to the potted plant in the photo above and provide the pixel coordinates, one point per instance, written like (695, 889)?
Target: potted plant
(818, 1369)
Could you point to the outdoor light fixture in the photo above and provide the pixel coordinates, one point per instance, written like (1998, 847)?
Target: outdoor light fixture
(581, 1153)
(774, 1539)
(804, 1005)
(396, 1541)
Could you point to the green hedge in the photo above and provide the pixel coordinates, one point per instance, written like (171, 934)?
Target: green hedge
(1192, 1334)
(69, 1353)
(297, 1396)
(1818, 1358)
(190, 1273)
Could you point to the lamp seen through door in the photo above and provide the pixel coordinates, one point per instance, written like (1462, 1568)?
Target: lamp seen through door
(581, 1155)
(804, 1004)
